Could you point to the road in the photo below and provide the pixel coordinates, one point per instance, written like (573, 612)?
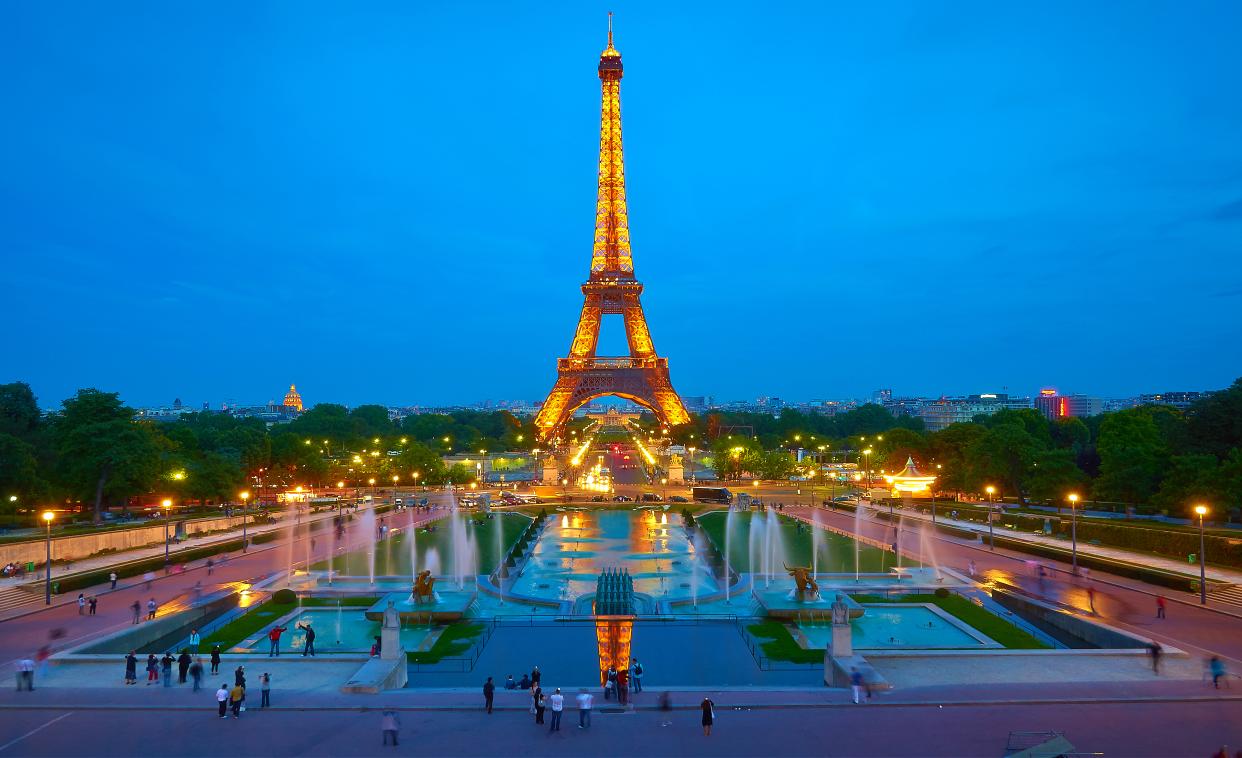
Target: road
(1167, 729)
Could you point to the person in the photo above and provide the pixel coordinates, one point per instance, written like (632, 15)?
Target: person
(239, 676)
(525, 683)
(709, 715)
(183, 666)
(390, 723)
(623, 686)
(198, 590)
(196, 673)
(534, 677)
(1216, 667)
(970, 567)
(148, 578)
(131, 668)
(153, 669)
(584, 708)
(1156, 650)
(510, 684)
(309, 647)
(1091, 598)
(92, 603)
(274, 636)
(236, 696)
(81, 604)
(42, 656)
(137, 609)
(1159, 606)
(489, 690)
(537, 701)
(610, 683)
(25, 675)
(265, 689)
(215, 659)
(112, 578)
(151, 608)
(636, 676)
(195, 640)
(856, 685)
(558, 705)
(166, 665)
(222, 700)
(211, 566)
(666, 701)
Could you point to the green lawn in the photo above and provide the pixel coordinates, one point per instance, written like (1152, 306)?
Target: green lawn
(780, 644)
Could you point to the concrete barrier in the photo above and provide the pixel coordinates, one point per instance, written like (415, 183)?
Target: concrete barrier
(77, 547)
(1051, 619)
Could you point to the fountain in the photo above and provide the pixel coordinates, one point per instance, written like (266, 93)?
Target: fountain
(366, 527)
(817, 537)
(858, 516)
(730, 521)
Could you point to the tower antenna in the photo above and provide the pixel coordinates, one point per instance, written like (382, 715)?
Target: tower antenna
(609, 28)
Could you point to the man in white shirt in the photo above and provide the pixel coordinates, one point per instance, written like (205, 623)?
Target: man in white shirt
(585, 700)
(558, 705)
(222, 700)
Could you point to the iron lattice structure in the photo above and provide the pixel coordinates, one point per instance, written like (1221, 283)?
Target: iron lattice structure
(611, 289)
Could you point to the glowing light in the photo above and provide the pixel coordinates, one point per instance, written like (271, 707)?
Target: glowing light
(48, 516)
(1201, 510)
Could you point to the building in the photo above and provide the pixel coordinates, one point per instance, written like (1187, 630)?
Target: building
(938, 414)
(1055, 406)
(1182, 400)
(293, 400)
(880, 397)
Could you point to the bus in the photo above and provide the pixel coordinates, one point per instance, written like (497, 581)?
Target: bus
(711, 495)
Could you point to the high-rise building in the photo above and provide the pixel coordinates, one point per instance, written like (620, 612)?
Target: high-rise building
(1181, 400)
(880, 397)
(1055, 406)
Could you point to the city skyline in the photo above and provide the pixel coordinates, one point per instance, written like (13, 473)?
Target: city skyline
(329, 204)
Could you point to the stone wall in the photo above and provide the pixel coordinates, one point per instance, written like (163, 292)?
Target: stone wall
(81, 546)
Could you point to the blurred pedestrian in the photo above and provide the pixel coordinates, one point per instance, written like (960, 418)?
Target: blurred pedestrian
(535, 676)
(112, 578)
(1216, 667)
(81, 604)
(1159, 606)
(584, 708)
(153, 669)
(390, 724)
(1156, 651)
(183, 666)
(856, 685)
(25, 675)
(151, 608)
(166, 666)
(148, 578)
(137, 609)
(610, 683)
(94, 601)
(215, 659)
(239, 676)
(623, 686)
(1091, 598)
(709, 715)
(196, 673)
(42, 656)
(489, 691)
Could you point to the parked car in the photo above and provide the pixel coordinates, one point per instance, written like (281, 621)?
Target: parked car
(650, 497)
(597, 499)
(679, 499)
(623, 499)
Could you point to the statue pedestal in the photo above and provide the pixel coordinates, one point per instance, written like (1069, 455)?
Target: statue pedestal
(841, 645)
(390, 644)
(676, 473)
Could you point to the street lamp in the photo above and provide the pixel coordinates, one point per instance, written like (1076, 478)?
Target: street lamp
(991, 533)
(1073, 500)
(371, 482)
(867, 453)
(693, 478)
(415, 479)
(167, 505)
(664, 481)
(244, 497)
(47, 582)
(564, 493)
(1201, 511)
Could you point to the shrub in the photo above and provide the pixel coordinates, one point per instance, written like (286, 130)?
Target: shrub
(286, 596)
(942, 592)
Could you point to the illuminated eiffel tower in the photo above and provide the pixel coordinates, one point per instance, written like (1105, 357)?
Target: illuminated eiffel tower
(611, 289)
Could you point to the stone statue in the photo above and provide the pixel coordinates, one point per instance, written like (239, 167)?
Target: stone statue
(424, 585)
(840, 611)
(392, 619)
(804, 583)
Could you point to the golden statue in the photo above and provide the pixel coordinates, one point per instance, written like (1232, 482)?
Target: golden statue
(423, 587)
(803, 581)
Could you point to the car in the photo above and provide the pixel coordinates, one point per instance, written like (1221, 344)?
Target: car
(597, 499)
(679, 499)
(650, 497)
(397, 501)
(623, 499)
(842, 498)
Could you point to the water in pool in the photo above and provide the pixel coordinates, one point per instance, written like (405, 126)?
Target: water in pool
(892, 627)
(651, 543)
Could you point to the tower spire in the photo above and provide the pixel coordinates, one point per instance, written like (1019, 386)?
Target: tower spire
(609, 29)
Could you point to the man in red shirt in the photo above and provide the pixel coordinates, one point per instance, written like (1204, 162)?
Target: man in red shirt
(274, 636)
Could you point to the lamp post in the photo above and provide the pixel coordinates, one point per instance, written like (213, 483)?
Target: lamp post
(664, 481)
(991, 532)
(47, 563)
(416, 475)
(867, 453)
(1073, 500)
(564, 493)
(933, 493)
(693, 478)
(167, 505)
(395, 479)
(1201, 511)
(245, 496)
(371, 482)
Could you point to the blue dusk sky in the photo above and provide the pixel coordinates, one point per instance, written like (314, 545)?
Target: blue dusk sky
(393, 202)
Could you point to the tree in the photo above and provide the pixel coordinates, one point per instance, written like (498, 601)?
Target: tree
(1189, 479)
(1054, 474)
(1003, 455)
(371, 421)
(19, 475)
(417, 457)
(459, 474)
(950, 449)
(214, 477)
(1133, 457)
(1214, 423)
(900, 444)
(19, 411)
(103, 452)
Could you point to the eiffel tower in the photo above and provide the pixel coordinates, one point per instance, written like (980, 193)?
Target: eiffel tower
(611, 289)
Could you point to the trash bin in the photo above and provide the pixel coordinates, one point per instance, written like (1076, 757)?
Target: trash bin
(55, 588)
(29, 567)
